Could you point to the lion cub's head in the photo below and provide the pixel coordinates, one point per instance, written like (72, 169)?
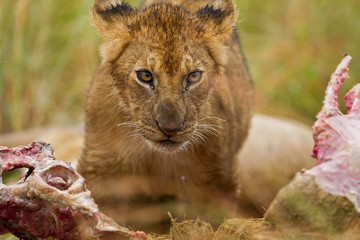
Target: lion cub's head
(163, 61)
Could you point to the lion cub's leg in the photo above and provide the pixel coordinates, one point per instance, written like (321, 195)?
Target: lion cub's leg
(275, 150)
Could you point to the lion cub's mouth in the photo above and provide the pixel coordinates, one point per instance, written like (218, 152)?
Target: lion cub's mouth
(167, 145)
(161, 141)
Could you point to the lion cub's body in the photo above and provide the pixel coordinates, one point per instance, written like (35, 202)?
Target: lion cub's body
(130, 160)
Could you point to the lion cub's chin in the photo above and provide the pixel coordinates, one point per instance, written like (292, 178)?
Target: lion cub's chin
(168, 146)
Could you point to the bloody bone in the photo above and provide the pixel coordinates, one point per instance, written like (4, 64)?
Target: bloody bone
(327, 197)
(334, 132)
(51, 200)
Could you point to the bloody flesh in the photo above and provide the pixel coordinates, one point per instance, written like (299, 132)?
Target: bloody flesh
(51, 200)
(326, 197)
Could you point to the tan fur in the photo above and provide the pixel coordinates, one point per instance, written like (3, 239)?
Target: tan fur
(123, 115)
(275, 150)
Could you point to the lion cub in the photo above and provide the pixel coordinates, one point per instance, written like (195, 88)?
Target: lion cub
(167, 112)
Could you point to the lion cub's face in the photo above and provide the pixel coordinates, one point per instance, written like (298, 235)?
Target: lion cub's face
(166, 90)
(163, 61)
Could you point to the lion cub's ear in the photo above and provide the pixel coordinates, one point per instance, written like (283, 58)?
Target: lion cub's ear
(219, 20)
(218, 17)
(112, 18)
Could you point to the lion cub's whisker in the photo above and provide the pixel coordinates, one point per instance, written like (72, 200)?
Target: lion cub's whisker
(212, 117)
(130, 124)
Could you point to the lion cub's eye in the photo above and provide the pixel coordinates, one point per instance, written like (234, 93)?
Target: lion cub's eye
(194, 77)
(144, 76)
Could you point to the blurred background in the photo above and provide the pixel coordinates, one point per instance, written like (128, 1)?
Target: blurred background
(49, 52)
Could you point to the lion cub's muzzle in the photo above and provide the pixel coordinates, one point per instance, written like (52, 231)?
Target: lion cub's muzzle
(167, 136)
(170, 118)
(171, 130)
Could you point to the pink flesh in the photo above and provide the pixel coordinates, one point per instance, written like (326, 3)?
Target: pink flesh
(337, 140)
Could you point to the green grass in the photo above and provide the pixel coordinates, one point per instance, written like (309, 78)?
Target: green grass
(49, 52)
(292, 48)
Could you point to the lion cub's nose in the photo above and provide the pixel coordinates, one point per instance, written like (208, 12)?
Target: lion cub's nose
(170, 117)
(169, 128)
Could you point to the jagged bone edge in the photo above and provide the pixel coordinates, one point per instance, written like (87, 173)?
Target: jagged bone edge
(330, 104)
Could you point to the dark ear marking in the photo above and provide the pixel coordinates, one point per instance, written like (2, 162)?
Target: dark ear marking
(218, 16)
(217, 10)
(210, 12)
(108, 9)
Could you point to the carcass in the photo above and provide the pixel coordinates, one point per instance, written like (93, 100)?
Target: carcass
(50, 200)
